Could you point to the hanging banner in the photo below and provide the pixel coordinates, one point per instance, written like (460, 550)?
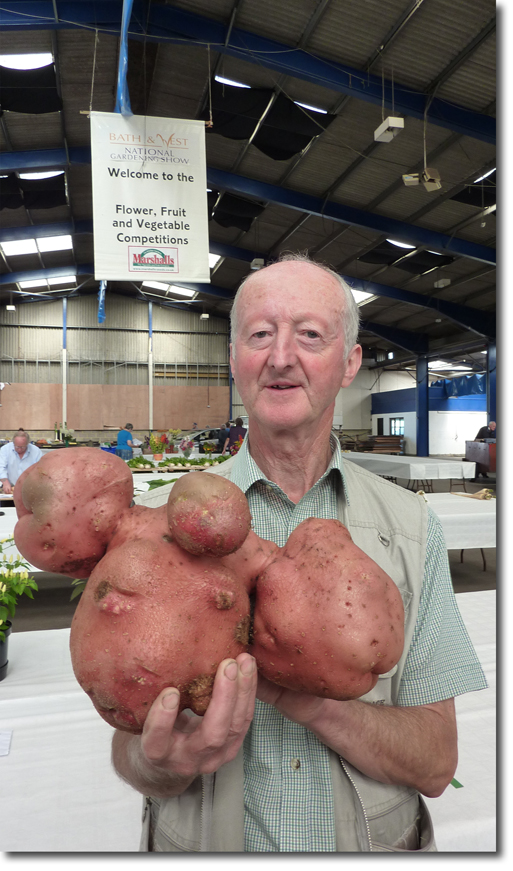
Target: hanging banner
(150, 216)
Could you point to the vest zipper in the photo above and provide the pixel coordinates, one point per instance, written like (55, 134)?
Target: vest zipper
(207, 795)
(366, 820)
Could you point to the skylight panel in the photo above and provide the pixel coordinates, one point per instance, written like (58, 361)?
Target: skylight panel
(26, 61)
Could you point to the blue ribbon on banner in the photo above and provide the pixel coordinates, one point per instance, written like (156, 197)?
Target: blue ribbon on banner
(122, 98)
(101, 302)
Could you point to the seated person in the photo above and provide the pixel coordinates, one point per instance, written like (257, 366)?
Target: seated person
(125, 443)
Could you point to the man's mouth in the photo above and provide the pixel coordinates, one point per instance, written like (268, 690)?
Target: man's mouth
(282, 386)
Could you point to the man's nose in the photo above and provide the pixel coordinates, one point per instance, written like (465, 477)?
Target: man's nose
(283, 353)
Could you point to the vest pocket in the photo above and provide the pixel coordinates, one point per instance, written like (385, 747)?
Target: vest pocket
(417, 836)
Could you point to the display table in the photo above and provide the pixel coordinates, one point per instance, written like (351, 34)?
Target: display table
(464, 818)
(60, 793)
(466, 522)
(412, 468)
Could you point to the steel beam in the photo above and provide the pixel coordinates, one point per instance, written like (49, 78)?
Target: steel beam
(415, 343)
(431, 239)
(422, 406)
(217, 178)
(50, 272)
(170, 24)
(480, 322)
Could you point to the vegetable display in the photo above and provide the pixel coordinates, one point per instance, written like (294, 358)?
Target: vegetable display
(172, 591)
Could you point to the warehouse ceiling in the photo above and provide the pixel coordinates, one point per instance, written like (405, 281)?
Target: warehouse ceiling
(295, 159)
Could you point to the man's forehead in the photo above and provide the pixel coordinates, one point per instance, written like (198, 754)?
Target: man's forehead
(309, 293)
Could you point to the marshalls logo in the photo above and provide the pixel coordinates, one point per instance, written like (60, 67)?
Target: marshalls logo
(141, 259)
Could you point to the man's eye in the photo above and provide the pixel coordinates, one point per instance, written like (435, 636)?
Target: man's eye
(311, 334)
(261, 334)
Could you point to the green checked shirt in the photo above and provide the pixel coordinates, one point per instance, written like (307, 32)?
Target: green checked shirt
(287, 783)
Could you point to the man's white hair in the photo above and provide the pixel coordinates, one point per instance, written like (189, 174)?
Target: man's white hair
(349, 312)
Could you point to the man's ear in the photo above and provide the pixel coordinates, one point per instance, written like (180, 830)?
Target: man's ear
(353, 363)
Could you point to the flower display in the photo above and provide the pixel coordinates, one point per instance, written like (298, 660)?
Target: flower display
(13, 583)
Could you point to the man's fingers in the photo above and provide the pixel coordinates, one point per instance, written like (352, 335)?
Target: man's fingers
(231, 706)
(157, 732)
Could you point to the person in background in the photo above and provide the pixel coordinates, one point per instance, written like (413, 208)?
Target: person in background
(15, 457)
(224, 432)
(125, 444)
(267, 769)
(236, 432)
(487, 432)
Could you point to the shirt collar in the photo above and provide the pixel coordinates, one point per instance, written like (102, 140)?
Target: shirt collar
(245, 471)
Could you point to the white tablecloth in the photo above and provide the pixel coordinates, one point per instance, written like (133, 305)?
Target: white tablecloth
(466, 522)
(61, 794)
(464, 819)
(412, 468)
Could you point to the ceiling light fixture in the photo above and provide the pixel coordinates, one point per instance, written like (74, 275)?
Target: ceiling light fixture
(204, 316)
(482, 177)
(361, 297)
(388, 129)
(234, 84)
(400, 244)
(312, 108)
(429, 177)
(442, 282)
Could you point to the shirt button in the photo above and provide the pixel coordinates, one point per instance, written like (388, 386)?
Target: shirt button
(295, 764)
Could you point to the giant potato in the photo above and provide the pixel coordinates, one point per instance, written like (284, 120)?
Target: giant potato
(328, 620)
(68, 505)
(153, 616)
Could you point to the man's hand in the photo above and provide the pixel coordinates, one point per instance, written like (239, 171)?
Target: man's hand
(6, 485)
(174, 749)
(302, 708)
(411, 746)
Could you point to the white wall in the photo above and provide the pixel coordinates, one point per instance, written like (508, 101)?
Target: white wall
(353, 403)
(448, 430)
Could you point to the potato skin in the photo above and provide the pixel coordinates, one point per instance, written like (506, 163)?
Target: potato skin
(153, 616)
(68, 506)
(327, 619)
(208, 514)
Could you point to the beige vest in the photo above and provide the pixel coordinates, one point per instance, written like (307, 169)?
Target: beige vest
(389, 523)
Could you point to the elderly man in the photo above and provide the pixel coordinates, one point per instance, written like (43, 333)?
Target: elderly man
(15, 457)
(291, 772)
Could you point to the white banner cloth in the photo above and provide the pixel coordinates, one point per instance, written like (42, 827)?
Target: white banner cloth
(150, 213)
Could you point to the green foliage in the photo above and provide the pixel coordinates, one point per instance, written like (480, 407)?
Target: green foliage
(14, 582)
(79, 584)
(156, 445)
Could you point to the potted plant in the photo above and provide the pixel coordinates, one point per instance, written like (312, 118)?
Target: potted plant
(14, 582)
(155, 446)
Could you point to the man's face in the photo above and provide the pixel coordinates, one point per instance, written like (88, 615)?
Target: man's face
(20, 446)
(492, 425)
(289, 353)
